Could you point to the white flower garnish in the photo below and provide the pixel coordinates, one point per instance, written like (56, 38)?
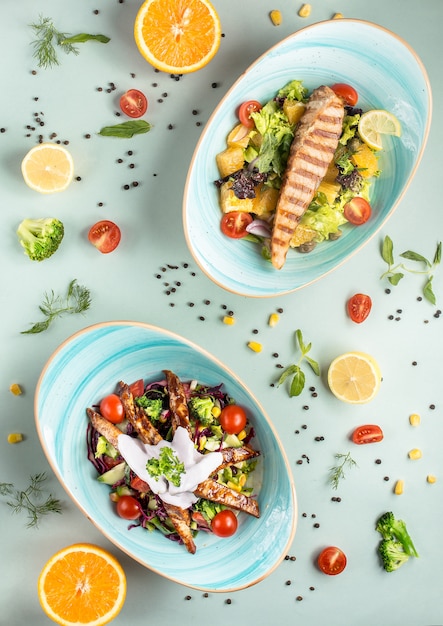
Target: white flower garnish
(198, 467)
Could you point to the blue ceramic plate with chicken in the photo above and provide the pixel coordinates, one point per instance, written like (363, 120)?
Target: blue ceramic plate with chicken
(386, 73)
(87, 367)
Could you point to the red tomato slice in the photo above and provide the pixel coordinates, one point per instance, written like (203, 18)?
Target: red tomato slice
(369, 433)
(359, 306)
(245, 110)
(105, 236)
(233, 224)
(112, 409)
(348, 93)
(139, 485)
(332, 561)
(224, 523)
(134, 103)
(233, 419)
(137, 388)
(357, 211)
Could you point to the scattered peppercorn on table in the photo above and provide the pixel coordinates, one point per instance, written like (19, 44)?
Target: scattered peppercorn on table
(132, 175)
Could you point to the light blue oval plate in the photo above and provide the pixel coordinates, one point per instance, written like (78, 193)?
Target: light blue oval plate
(386, 73)
(86, 367)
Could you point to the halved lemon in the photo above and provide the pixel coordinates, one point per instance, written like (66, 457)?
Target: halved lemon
(354, 377)
(82, 584)
(175, 36)
(376, 123)
(47, 168)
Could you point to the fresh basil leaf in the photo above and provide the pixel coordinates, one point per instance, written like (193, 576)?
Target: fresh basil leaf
(437, 256)
(314, 365)
(299, 337)
(414, 256)
(387, 251)
(395, 278)
(82, 37)
(126, 129)
(428, 293)
(297, 384)
(288, 372)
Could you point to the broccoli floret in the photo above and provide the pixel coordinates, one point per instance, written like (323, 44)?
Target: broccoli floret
(392, 554)
(201, 409)
(104, 447)
(40, 238)
(153, 407)
(391, 528)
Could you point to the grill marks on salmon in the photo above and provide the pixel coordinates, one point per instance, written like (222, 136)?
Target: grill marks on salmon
(312, 150)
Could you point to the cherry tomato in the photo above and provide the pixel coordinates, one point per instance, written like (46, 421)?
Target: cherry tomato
(134, 103)
(224, 523)
(369, 433)
(348, 93)
(128, 507)
(137, 388)
(332, 561)
(245, 110)
(357, 211)
(359, 306)
(111, 408)
(105, 236)
(233, 419)
(233, 224)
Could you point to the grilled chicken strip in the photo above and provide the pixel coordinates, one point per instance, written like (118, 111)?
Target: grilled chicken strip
(312, 149)
(231, 456)
(104, 427)
(177, 402)
(211, 490)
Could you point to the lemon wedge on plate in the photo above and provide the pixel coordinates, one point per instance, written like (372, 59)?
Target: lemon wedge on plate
(376, 123)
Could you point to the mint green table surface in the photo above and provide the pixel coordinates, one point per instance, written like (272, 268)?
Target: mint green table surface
(125, 285)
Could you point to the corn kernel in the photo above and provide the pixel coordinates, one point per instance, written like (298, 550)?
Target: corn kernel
(273, 319)
(431, 479)
(202, 442)
(275, 17)
(215, 411)
(242, 434)
(414, 419)
(337, 16)
(15, 389)
(399, 486)
(305, 10)
(415, 453)
(15, 437)
(242, 480)
(233, 486)
(229, 320)
(255, 346)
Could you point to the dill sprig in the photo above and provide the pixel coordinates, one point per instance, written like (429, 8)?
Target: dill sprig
(30, 499)
(47, 37)
(77, 300)
(337, 472)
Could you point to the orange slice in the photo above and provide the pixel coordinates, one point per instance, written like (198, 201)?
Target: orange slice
(47, 168)
(177, 36)
(354, 377)
(82, 584)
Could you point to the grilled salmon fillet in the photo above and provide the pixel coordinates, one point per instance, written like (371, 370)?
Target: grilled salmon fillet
(312, 149)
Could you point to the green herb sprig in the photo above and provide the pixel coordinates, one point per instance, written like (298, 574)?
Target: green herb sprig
(77, 300)
(168, 465)
(338, 471)
(48, 39)
(30, 500)
(395, 272)
(126, 130)
(295, 371)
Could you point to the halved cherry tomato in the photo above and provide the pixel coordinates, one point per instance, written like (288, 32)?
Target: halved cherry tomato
(134, 103)
(128, 507)
(245, 110)
(357, 211)
(224, 523)
(332, 561)
(111, 408)
(105, 236)
(359, 306)
(233, 419)
(233, 224)
(137, 388)
(369, 433)
(348, 93)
